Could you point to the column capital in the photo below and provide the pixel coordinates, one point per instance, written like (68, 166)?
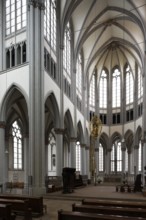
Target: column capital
(62, 46)
(96, 149)
(73, 139)
(59, 130)
(136, 147)
(37, 4)
(2, 124)
(74, 70)
(83, 145)
(25, 135)
(123, 148)
(87, 147)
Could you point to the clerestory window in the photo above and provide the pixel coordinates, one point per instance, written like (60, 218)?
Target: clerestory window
(15, 15)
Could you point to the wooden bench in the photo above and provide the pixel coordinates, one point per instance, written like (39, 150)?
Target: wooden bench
(70, 215)
(125, 188)
(53, 183)
(19, 207)
(110, 210)
(6, 212)
(35, 203)
(118, 203)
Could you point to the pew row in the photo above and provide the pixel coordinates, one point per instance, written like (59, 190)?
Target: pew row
(109, 210)
(35, 203)
(70, 215)
(19, 207)
(6, 212)
(117, 203)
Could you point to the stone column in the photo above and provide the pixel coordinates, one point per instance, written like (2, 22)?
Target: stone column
(26, 162)
(97, 160)
(87, 162)
(2, 155)
(1, 35)
(123, 156)
(136, 153)
(144, 122)
(83, 159)
(129, 162)
(59, 150)
(108, 162)
(36, 98)
(73, 152)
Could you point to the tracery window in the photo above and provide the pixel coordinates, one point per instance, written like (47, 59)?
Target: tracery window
(92, 92)
(79, 76)
(67, 49)
(129, 86)
(15, 15)
(50, 22)
(103, 90)
(140, 157)
(116, 88)
(116, 157)
(78, 156)
(126, 160)
(51, 152)
(100, 158)
(17, 146)
(140, 84)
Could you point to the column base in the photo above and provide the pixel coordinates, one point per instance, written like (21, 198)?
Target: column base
(37, 191)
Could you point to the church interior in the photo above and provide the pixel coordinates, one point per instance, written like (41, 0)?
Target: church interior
(72, 100)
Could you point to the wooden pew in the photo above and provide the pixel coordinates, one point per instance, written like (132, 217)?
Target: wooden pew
(6, 212)
(35, 203)
(19, 207)
(109, 210)
(69, 215)
(117, 203)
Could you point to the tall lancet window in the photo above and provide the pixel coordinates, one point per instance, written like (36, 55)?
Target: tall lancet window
(78, 156)
(17, 146)
(129, 86)
(79, 76)
(103, 90)
(116, 88)
(101, 158)
(92, 92)
(140, 84)
(116, 157)
(140, 157)
(50, 22)
(15, 15)
(67, 50)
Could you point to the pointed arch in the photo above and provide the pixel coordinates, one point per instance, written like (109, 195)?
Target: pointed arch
(68, 124)
(14, 106)
(52, 114)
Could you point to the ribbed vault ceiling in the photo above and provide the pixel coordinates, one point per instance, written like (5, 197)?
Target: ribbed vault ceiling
(108, 32)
